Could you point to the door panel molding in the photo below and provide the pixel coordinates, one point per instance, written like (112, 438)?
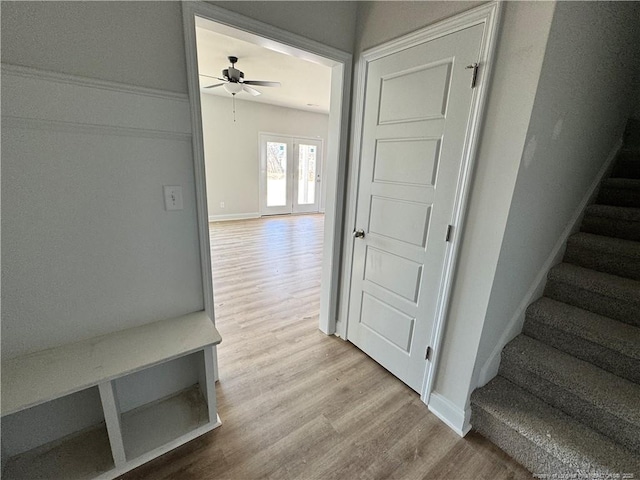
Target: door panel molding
(489, 16)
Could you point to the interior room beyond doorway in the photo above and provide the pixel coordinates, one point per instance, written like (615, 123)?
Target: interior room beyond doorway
(247, 91)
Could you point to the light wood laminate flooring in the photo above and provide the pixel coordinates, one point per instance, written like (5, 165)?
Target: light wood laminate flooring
(296, 404)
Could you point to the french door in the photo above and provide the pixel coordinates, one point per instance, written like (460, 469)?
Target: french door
(289, 174)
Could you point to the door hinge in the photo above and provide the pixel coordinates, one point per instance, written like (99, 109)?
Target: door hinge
(427, 355)
(474, 78)
(449, 230)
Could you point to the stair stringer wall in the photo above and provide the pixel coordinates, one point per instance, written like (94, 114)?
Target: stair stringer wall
(575, 126)
(489, 368)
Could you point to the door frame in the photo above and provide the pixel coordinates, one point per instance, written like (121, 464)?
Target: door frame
(292, 138)
(239, 26)
(488, 14)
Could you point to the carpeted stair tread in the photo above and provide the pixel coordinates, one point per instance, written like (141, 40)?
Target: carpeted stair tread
(611, 211)
(613, 336)
(603, 293)
(597, 398)
(611, 220)
(606, 244)
(609, 285)
(603, 341)
(605, 254)
(541, 437)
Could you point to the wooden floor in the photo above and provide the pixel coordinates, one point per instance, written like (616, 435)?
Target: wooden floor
(296, 404)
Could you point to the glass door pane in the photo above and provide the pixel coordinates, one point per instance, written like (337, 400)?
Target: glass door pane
(307, 159)
(307, 155)
(276, 174)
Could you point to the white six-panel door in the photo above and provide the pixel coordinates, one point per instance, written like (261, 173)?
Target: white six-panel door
(416, 114)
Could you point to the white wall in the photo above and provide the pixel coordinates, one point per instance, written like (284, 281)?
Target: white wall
(87, 245)
(231, 148)
(584, 98)
(328, 22)
(137, 43)
(381, 21)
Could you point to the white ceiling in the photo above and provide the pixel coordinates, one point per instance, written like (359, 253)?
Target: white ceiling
(303, 82)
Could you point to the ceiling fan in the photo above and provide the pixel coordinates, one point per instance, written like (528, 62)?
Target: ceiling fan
(233, 80)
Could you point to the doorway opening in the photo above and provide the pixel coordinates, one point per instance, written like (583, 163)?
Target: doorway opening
(321, 155)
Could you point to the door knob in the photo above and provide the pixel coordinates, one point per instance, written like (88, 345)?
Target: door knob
(358, 233)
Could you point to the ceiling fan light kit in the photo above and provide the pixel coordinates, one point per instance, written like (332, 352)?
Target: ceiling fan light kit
(232, 88)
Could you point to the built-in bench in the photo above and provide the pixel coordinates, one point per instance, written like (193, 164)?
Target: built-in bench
(103, 406)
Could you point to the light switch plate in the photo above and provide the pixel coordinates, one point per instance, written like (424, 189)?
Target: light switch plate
(172, 197)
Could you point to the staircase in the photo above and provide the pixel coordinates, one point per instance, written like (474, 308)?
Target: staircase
(566, 400)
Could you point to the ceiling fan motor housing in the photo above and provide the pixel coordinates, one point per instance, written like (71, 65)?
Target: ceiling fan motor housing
(232, 74)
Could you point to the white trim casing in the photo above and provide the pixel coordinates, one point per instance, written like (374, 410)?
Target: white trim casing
(200, 181)
(490, 368)
(488, 15)
(198, 157)
(239, 26)
(335, 175)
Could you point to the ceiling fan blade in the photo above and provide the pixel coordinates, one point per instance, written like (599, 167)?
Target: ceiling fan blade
(217, 78)
(250, 90)
(214, 86)
(261, 83)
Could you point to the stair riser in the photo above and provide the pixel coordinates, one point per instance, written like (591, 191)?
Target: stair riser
(621, 431)
(617, 309)
(626, 169)
(603, 262)
(611, 227)
(605, 358)
(518, 447)
(619, 197)
(632, 135)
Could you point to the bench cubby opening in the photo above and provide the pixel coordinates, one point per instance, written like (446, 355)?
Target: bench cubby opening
(101, 407)
(63, 438)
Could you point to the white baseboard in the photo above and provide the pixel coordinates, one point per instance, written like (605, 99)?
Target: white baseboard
(454, 417)
(490, 368)
(233, 216)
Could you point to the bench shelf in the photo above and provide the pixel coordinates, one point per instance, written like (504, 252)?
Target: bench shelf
(101, 407)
